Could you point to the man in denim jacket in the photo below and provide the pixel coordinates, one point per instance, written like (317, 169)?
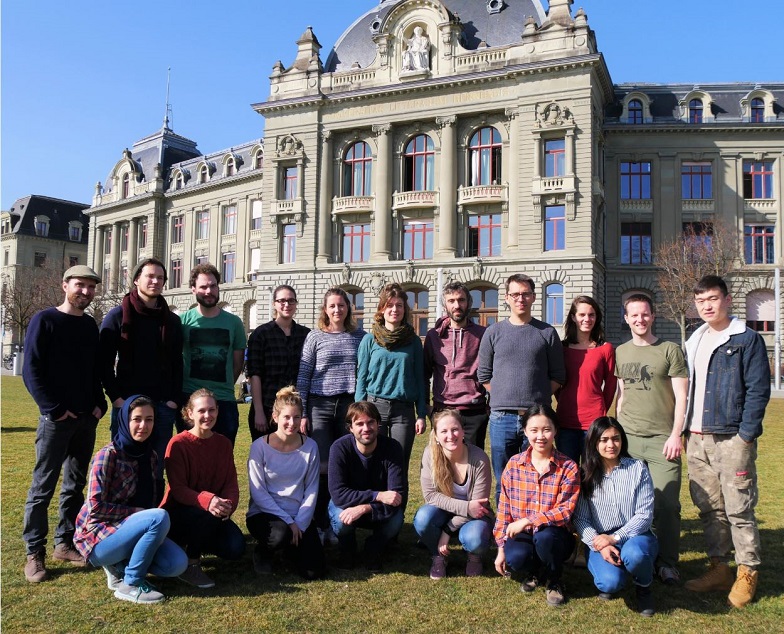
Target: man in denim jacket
(729, 390)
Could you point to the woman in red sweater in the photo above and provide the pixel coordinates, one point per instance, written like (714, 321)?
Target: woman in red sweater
(590, 376)
(203, 491)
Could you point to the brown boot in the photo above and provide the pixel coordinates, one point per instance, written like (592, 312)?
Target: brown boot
(717, 579)
(35, 568)
(744, 588)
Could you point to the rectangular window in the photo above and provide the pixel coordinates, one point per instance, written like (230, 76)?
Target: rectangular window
(143, 234)
(761, 326)
(178, 229)
(696, 181)
(202, 259)
(7, 257)
(107, 241)
(555, 228)
(635, 243)
(255, 215)
(229, 220)
(107, 272)
(73, 260)
(255, 262)
(289, 187)
(554, 157)
(289, 245)
(418, 240)
(74, 233)
(758, 243)
(636, 181)
(356, 243)
(123, 281)
(698, 232)
(757, 179)
(41, 228)
(124, 238)
(175, 274)
(203, 218)
(40, 259)
(227, 268)
(484, 235)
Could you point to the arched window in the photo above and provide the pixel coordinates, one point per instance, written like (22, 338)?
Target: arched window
(126, 185)
(419, 164)
(695, 111)
(178, 181)
(635, 111)
(757, 110)
(484, 310)
(357, 298)
(485, 153)
(258, 160)
(554, 304)
(419, 302)
(230, 167)
(203, 173)
(357, 170)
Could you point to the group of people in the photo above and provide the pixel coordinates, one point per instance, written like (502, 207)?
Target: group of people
(333, 418)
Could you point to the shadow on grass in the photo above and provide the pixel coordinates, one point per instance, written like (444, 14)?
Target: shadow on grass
(10, 430)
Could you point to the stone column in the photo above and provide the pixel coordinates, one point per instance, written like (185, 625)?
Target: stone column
(115, 266)
(97, 238)
(325, 200)
(133, 251)
(447, 235)
(569, 153)
(382, 215)
(513, 176)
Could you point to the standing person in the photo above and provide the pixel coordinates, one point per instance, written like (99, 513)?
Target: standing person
(615, 513)
(590, 375)
(455, 479)
(539, 489)
(730, 389)
(213, 348)
(119, 528)
(141, 353)
(327, 382)
(390, 369)
(452, 359)
(203, 491)
(274, 351)
(283, 477)
(520, 364)
(653, 384)
(367, 486)
(62, 374)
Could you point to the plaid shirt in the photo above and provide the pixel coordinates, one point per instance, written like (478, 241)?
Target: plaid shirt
(274, 357)
(546, 500)
(112, 484)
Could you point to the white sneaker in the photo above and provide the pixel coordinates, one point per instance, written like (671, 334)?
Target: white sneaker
(143, 593)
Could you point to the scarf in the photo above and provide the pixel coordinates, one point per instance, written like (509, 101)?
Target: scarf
(141, 451)
(132, 307)
(392, 339)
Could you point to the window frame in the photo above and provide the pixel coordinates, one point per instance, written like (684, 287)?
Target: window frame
(487, 228)
(758, 176)
(353, 163)
(411, 231)
(759, 243)
(635, 112)
(288, 245)
(485, 157)
(554, 157)
(419, 164)
(229, 219)
(203, 224)
(554, 304)
(178, 229)
(228, 266)
(555, 228)
(632, 231)
(693, 174)
(632, 172)
(348, 233)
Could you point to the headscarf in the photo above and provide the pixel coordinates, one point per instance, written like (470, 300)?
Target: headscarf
(142, 452)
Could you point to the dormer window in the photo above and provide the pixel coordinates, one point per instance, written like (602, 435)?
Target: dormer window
(126, 185)
(757, 110)
(203, 174)
(179, 181)
(230, 167)
(258, 160)
(75, 231)
(635, 111)
(695, 111)
(41, 224)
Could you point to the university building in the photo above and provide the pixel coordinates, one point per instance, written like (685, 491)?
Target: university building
(455, 140)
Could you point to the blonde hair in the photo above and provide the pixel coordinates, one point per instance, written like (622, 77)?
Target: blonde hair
(286, 397)
(443, 475)
(200, 393)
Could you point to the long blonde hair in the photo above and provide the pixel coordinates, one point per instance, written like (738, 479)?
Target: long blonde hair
(443, 476)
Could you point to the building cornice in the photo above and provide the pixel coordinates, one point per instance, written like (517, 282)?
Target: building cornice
(692, 128)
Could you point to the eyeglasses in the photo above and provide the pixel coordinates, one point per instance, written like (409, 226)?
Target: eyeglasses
(286, 301)
(518, 296)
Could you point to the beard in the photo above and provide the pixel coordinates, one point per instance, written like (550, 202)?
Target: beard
(207, 302)
(458, 315)
(78, 301)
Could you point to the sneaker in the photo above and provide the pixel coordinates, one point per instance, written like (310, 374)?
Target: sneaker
(605, 596)
(66, 552)
(438, 569)
(530, 584)
(645, 604)
(744, 588)
(35, 568)
(195, 576)
(474, 566)
(113, 577)
(718, 578)
(143, 593)
(669, 575)
(261, 566)
(554, 594)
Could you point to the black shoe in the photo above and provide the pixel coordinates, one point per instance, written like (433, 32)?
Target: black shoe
(605, 596)
(372, 561)
(645, 603)
(530, 584)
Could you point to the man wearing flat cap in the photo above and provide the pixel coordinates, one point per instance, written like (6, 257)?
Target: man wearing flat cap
(62, 375)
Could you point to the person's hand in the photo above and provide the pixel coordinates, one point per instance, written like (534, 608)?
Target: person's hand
(515, 528)
(351, 514)
(478, 508)
(420, 426)
(171, 404)
(672, 448)
(118, 402)
(303, 425)
(500, 562)
(220, 507)
(602, 541)
(443, 543)
(296, 534)
(97, 412)
(68, 414)
(611, 555)
(260, 420)
(390, 498)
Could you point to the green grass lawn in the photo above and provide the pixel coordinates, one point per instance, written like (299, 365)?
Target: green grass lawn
(402, 599)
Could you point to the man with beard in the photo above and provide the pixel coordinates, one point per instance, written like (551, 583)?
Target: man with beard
(145, 340)
(61, 372)
(213, 348)
(452, 359)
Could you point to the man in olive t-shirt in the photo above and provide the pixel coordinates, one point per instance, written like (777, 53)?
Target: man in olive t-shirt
(653, 385)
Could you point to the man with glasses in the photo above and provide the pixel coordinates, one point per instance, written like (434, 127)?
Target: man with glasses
(520, 364)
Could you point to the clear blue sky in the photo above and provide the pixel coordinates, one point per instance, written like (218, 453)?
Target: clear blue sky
(83, 80)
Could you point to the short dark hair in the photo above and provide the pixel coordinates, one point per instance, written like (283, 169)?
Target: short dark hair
(362, 407)
(709, 282)
(639, 297)
(203, 269)
(520, 278)
(148, 262)
(457, 287)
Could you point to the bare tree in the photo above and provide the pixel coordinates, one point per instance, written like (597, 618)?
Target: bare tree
(104, 301)
(26, 291)
(701, 249)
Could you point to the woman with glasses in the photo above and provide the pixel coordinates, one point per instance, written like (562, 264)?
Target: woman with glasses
(327, 382)
(274, 351)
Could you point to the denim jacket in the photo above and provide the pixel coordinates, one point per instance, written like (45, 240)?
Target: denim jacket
(737, 388)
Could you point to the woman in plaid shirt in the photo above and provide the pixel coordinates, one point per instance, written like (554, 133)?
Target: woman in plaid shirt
(118, 527)
(539, 490)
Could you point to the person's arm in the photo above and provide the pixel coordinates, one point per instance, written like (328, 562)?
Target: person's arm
(177, 476)
(340, 485)
(108, 344)
(363, 367)
(308, 507)
(610, 380)
(428, 365)
(484, 372)
(673, 446)
(240, 343)
(430, 491)
(307, 365)
(478, 503)
(619, 402)
(100, 506)
(555, 362)
(756, 380)
(257, 483)
(583, 522)
(229, 489)
(504, 515)
(420, 397)
(175, 332)
(642, 519)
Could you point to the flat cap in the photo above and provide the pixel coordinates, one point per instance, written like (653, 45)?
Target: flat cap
(81, 270)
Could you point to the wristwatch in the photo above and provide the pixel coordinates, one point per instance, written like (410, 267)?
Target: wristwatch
(617, 538)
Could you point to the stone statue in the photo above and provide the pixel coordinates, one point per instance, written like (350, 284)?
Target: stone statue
(417, 55)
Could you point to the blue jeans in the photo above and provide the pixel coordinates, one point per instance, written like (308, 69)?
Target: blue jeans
(430, 521)
(67, 445)
(228, 422)
(383, 530)
(398, 421)
(161, 433)
(505, 440)
(638, 556)
(541, 554)
(571, 442)
(139, 545)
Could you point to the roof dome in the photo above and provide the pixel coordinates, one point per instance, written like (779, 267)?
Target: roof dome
(495, 22)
